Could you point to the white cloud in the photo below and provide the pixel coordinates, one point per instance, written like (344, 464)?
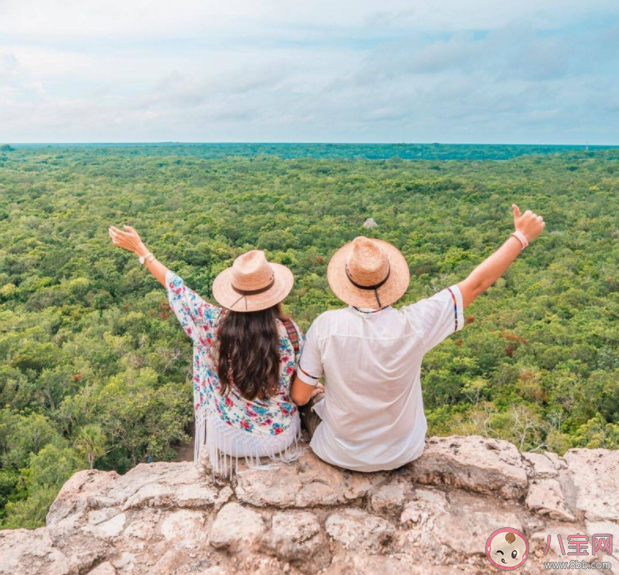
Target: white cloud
(347, 70)
(162, 19)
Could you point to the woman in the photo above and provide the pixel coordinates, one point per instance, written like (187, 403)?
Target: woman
(245, 356)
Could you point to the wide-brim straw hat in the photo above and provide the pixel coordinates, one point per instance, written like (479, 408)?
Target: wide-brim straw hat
(368, 273)
(252, 283)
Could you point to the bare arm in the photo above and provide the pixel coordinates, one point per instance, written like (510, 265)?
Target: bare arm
(302, 392)
(130, 240)
(491, 269)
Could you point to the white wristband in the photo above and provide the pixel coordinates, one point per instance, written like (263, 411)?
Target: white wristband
(147, 258)
(521, 238)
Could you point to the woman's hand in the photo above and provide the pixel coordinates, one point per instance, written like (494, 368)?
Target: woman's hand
(529, 223)
(129, 240)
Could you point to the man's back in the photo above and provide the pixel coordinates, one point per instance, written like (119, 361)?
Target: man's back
(372, 415)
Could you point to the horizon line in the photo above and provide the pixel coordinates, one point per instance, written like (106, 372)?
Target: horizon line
(187, 143)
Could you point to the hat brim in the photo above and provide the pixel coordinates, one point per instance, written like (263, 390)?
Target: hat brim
(390, 292)
(230, 299)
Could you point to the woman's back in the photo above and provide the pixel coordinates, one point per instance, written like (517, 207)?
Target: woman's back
(244, 356)
(230, 424)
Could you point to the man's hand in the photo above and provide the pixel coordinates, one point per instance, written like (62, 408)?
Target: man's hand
(491, 269)
(302, 392)
(319, 389)
(529, 223)
(129, 240)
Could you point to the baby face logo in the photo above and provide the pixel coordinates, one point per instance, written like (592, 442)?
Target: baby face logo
(507, 549)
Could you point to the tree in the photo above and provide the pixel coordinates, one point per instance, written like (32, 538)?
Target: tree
(94, 368)
(91, 443)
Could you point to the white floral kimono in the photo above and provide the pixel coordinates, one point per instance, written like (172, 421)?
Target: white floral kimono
(228, 425)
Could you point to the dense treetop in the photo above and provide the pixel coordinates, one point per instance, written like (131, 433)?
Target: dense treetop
(94, 370)
(321, 151)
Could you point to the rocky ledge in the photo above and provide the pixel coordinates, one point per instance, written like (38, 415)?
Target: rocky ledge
(433, 516)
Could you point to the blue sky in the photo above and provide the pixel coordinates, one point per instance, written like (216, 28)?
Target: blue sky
(483, 71)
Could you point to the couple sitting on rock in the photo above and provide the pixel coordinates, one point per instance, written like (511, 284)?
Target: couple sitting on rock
(252, 367)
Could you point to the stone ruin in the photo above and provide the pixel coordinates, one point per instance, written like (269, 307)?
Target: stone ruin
(431, 517)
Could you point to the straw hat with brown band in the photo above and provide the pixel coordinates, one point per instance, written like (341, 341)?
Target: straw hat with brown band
(252, 283)
(368, 273)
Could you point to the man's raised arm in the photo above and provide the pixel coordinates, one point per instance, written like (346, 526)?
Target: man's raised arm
(528, 226)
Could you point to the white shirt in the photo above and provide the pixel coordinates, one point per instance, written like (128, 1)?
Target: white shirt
(372, 414)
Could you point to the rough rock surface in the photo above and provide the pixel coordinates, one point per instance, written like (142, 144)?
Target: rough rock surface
(358, 529)
(309, 483)
(595, 475)
(432, 516)
(236, 527)
(546, 497)
(482, 465)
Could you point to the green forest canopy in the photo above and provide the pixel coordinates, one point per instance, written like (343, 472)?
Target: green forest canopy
(94, 369)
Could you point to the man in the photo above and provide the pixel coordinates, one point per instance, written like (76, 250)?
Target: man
(371, 416)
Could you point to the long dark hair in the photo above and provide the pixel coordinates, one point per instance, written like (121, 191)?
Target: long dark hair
(249, 353)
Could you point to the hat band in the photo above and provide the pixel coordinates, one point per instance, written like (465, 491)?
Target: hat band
(372, 287)
(245, 293)
(255, 291)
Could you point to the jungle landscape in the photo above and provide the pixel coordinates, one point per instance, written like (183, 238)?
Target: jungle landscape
(96, 372)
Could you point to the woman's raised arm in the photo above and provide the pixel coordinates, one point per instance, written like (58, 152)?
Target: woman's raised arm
(197, 316)
(130, 240)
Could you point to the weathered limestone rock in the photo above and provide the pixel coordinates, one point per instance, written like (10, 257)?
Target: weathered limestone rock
(425, 504)
(125, 562)
(297, 536)
(75, 493)
(360, 564)
(389, 498)
(172, 560)
(185, 527)
(470, 521)
(595, 474)
(432, 517)
(260, 565)
(104, 569)
(539, 538)
(142, 527)
(224, 496)
(105, 525)
(418, 524)
(162, 485)
(73, 536)
(94, 509)
(610, 528)
(546, 498)
(235, 527)
(474, 463)
(215, 570)
(459, 523)
(544, 465)
(308, 483)
(26, 552)
(357, 529)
